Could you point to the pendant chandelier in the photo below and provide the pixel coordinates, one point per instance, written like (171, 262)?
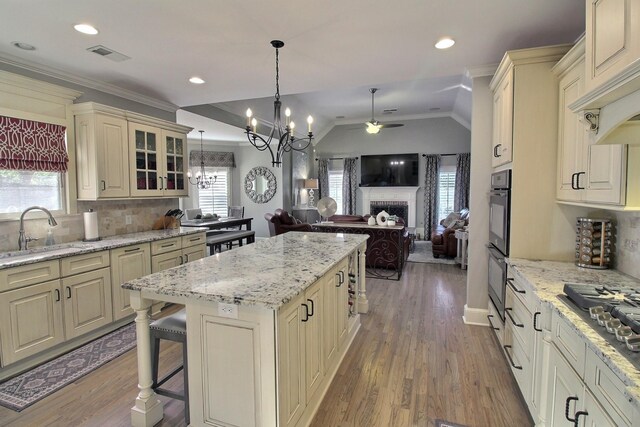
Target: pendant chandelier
(284, 136)
(202, 181)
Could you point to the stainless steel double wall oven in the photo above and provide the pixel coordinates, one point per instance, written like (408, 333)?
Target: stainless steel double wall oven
(499, 202)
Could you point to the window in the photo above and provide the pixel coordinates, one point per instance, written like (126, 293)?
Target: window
(20, 189)
(216, 199)
(335, 188)
(446, 193)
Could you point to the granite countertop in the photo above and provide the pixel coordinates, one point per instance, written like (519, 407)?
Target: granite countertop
(17, 258)
(267, 273)
(548, 279)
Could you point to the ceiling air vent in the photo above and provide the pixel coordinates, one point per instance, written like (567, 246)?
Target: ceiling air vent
(389, 110)
(108, 53)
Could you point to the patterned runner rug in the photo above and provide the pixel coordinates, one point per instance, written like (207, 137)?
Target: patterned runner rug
(422, 253)
(31, 386)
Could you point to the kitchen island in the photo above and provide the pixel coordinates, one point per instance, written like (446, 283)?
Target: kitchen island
(268, 325)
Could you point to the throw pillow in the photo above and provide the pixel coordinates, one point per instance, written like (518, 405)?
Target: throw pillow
(286, 218)
(450, 219)
(457, 224)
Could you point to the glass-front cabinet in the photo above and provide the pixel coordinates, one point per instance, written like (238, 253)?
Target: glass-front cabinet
(158, 161)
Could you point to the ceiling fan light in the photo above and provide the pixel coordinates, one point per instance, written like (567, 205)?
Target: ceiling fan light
(373, 128)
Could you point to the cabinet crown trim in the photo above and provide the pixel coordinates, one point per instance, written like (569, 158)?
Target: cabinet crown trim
(528, 56)
(570, 59)
(94, 107)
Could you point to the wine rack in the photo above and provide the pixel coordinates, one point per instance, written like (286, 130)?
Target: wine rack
(594, 242)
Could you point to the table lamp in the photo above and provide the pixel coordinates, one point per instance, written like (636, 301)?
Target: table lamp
(310, 185)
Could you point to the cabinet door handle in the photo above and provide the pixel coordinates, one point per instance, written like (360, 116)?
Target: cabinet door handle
(339, 282)
(341, 273)
(566, 408)
(507, 311)
(489, 317)
(578, 415)
(535, 321)
(573, 181)
(306, 312)
(498, 151)
(132, 250)
(578, 180)
(57, 291)
(167, 245)
(506, 350)
(495, 154)
(104, 184)
(68, 292)
(186, 258)
(312, 310)
(161, 183)
(510, 283)
(181, 260)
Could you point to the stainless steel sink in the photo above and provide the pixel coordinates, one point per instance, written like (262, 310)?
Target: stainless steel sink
(44, 251)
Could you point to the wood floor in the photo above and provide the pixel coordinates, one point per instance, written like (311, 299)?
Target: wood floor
(413, 361)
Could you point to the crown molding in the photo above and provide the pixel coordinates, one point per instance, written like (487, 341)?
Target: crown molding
(86, 82)
(460, 120)
(481, 71)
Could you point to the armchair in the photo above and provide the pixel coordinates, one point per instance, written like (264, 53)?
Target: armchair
(443, 238)
(281, 222)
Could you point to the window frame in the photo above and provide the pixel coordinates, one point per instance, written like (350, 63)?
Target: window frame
(338, 199)
(214, 171)
(450, 173)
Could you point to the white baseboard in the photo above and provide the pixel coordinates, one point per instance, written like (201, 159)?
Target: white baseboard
(475, 316)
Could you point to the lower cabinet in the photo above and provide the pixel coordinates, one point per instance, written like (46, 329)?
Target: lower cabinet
(312, 335)
(31, 320)
(127, 263)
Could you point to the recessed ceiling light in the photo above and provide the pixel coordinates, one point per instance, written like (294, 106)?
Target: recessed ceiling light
(196, 80)
(23, 46)
(445, 43)
(86, 29)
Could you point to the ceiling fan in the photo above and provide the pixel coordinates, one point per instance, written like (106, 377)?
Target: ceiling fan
(374, 126)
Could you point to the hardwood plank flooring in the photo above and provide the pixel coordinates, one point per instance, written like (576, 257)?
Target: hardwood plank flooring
(413, 361)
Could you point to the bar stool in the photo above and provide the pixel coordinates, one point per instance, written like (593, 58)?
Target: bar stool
(171, 328)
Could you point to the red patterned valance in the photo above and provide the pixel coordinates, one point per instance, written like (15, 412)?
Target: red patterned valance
(29, 145)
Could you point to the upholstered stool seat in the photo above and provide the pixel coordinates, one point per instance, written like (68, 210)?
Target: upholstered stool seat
(171, 328)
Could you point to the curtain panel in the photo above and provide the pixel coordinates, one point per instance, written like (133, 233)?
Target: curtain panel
(431, 184)
(323, 178)
(214, 159)
(349, 185)
(33, 146)
(463, 179)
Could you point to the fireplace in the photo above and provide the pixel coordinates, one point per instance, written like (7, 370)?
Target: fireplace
(384, 198)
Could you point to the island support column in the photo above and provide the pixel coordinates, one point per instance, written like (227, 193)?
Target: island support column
(363, 302)
(148, 410)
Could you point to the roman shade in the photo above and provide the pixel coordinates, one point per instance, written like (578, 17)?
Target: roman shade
(219, 159)
(30, 145)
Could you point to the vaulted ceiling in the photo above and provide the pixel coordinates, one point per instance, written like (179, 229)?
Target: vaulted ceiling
(334, 50)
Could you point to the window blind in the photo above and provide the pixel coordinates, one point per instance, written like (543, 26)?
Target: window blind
(32, 146)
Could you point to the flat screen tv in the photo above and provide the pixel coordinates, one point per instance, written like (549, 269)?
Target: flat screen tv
(389, 170)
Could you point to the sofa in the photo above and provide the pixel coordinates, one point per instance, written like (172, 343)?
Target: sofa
(387, 248)
(443, 238)
(281, 222)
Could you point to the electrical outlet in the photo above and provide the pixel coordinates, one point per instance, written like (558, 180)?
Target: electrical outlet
(228, 310)
(631, 245)
(128, 219)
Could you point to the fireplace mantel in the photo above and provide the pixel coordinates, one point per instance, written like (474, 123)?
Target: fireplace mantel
(394, 194)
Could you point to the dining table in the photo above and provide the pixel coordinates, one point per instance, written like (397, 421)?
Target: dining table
(217, 224)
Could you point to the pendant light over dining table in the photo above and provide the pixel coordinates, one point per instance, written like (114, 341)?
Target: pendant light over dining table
(285, 137)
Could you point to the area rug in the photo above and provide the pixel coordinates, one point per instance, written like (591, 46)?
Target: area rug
(422, 253)
(29, 387)
(442, 423)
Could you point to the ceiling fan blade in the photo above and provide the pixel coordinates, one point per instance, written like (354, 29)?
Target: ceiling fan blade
(391, 125)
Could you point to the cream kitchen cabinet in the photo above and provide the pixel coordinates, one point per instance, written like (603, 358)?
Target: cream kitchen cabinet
(314, 329)
(122, 154)
(102, 151)
(612, 40)
(127, 263)
(341, 287)
(503, 119)
(159, 161)
(176, 251)
(586, 173)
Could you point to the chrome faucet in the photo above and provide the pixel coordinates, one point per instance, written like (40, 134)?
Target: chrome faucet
(23, 241)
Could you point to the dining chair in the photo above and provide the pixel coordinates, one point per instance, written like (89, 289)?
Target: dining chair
(192, 213)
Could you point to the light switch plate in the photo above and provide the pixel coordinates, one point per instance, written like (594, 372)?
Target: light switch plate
(228, 310)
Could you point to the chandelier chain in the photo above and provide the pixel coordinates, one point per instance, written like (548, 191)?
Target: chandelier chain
(277, 75)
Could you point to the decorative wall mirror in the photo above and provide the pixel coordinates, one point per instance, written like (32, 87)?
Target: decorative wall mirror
(260, 184)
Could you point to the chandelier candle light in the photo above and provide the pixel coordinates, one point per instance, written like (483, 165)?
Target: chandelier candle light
(202, 181)
(285, 137)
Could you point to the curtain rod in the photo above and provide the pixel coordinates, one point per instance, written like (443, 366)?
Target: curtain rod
(337, 158)
(448, 154)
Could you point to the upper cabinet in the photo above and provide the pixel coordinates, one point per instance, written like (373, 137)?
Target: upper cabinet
(612, 40)
(586, 173)
(123, 154)
(503, 120)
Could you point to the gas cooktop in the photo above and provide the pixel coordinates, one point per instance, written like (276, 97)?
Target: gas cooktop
(613, 312)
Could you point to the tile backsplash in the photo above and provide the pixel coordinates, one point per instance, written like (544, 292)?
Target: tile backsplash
(627, 257)
(112, 216)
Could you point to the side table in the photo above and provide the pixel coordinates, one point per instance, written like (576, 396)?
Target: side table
(462, 236)
(306, 214)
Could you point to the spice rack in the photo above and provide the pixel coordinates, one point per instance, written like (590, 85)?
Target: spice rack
(593, 243)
